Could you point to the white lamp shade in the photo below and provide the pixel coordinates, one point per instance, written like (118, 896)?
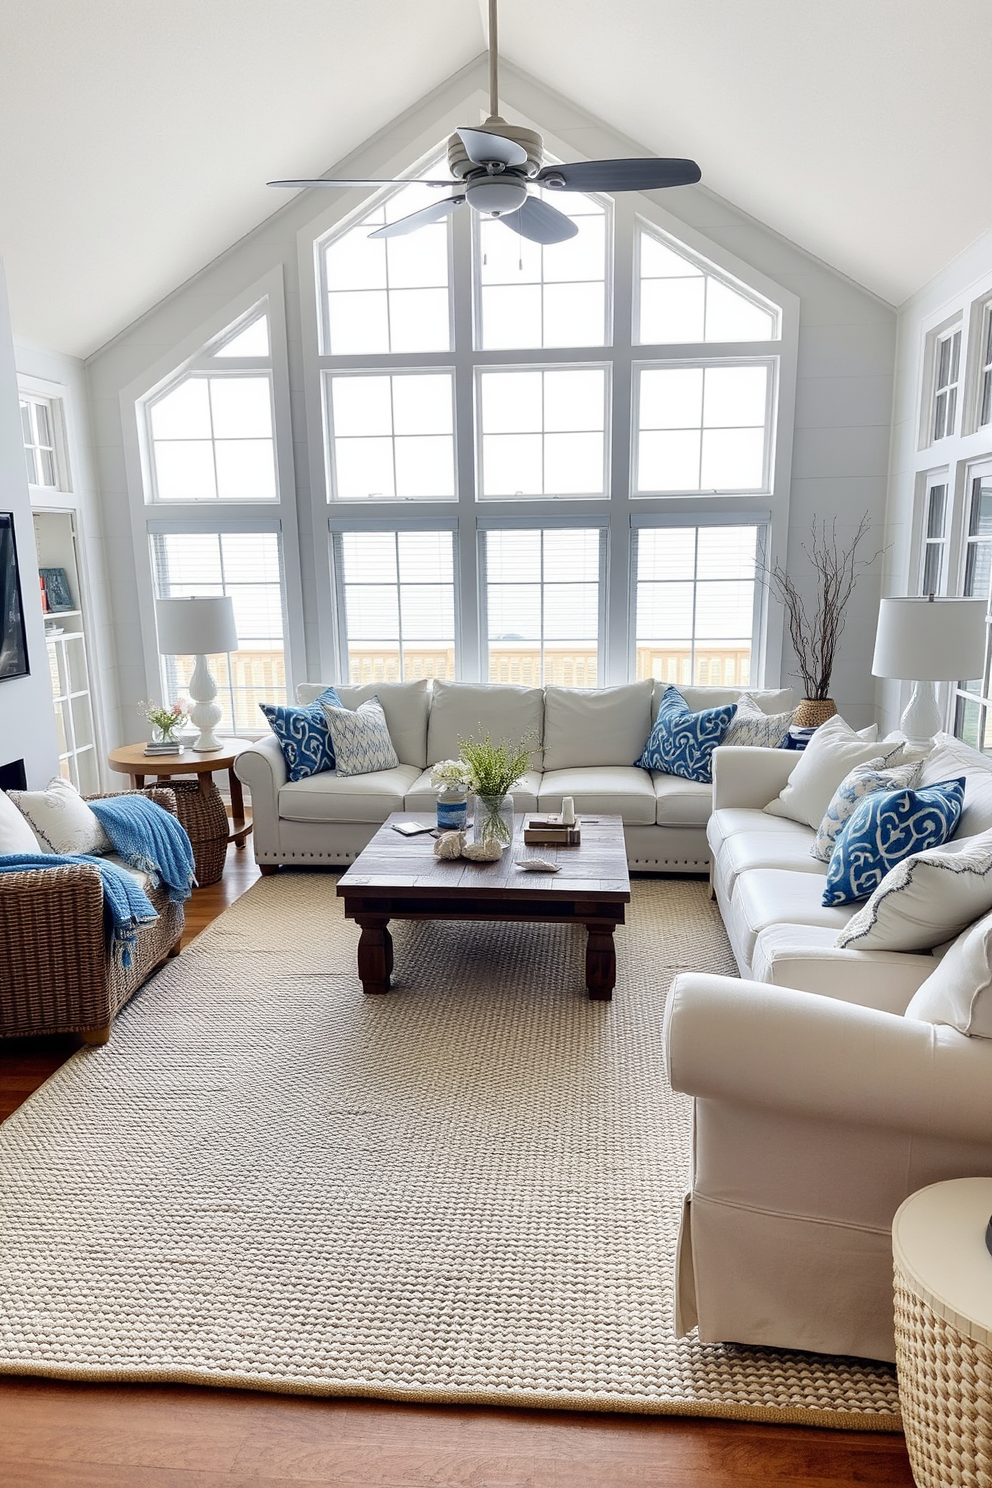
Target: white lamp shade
(930, 640)
(196, 627)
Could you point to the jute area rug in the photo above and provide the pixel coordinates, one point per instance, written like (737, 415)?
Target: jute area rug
(465, 1191)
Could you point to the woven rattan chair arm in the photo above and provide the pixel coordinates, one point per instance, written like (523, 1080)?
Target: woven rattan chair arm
(160, 794)
(53, 946)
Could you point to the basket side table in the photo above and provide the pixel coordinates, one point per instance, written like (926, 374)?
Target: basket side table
(198, 801)
(943, 1326)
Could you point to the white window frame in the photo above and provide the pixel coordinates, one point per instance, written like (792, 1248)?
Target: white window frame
(327, 425)
(933, 481)
(974, 471)
(940, 337)
(705, 267)
(280, 515)
(484, 367)
(55, 406)
(390, 157)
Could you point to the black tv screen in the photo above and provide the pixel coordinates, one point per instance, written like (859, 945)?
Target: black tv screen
(13, 642)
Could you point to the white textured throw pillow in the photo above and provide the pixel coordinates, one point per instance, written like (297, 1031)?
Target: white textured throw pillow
(862, 781)
(361, 739)
(926, 899)
(16, 835)
(832, 753)
(753, 727)
(61, 820)
(959, 991)
(950, 758)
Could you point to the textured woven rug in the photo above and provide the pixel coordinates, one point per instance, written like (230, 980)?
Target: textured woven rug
(466, 1191)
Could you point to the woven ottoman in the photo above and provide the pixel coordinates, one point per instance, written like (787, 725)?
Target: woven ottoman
(943, 1325)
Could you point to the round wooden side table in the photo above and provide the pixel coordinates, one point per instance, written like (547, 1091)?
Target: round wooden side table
(943, 1317)
(199, 803)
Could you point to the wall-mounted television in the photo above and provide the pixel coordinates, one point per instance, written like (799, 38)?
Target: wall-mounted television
(13, 641)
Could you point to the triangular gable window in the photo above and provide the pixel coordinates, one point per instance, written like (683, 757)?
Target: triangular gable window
(681, 300)
(251, 341)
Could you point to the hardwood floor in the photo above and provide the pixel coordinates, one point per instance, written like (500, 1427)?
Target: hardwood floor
(63, 1435)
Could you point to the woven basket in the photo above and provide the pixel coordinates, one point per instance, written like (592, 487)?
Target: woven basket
(204, 815)
(945, 1391)
(813, 711)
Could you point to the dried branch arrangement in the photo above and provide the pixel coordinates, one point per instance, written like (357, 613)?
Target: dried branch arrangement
(815, 627)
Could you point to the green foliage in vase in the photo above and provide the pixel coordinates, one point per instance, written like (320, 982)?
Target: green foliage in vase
(496, 767)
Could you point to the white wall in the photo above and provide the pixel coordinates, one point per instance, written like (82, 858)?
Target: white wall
(64, 377)
(966, 280)
(27, 719)
(846, 345)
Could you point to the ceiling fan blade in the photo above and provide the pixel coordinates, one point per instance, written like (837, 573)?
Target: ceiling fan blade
(540, 223)
(618, 175)
(482, 147)
(434, 213)
(403, 181)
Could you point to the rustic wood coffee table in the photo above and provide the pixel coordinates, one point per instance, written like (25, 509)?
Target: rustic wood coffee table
(399, 878)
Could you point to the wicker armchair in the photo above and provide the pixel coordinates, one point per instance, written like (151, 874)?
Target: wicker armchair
(56, 971)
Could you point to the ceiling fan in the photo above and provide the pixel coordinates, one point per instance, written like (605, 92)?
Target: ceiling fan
(495, 164)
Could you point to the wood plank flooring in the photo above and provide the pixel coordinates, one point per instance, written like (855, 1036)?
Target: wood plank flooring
(60, 1435)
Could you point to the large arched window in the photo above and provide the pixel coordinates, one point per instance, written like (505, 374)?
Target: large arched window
(544, 464)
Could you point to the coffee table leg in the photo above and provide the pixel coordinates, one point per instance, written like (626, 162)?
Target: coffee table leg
(601, 960)
(375, 953)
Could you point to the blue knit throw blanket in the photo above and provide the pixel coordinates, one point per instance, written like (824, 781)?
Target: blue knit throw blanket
(126, 904)
(149, 838)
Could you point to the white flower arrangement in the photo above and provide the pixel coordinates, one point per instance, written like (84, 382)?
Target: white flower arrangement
(451, 774)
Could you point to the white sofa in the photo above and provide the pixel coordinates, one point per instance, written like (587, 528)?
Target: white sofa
(818, 1106)
(586, 743)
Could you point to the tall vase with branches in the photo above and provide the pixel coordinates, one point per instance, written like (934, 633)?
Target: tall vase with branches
(817, 616)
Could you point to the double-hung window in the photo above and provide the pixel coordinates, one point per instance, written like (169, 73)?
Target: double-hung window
(946, 374)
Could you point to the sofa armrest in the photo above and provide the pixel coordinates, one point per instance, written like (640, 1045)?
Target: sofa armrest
(750, 777)
(262, 768)
(53, 941)
(774, 1048)
(160, 794)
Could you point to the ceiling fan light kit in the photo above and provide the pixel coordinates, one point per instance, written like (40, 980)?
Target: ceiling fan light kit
(495, 163)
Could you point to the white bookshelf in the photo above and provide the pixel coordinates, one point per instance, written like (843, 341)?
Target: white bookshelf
(68, 660)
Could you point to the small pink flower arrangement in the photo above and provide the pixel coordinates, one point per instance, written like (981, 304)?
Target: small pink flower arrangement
(166, 719)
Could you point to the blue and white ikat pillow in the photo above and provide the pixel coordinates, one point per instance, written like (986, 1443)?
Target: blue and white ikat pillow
(303, 734)
(886, 827)
(682, 742)
(863, 780)
(361, 738)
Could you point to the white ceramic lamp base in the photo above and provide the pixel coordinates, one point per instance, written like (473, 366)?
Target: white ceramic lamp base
(205, 713)
(922, 717)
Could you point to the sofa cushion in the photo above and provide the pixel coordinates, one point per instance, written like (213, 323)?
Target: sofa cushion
(405, 705)
(681, 803)
(958, 991)
(362, 745)
(142, 879)
(883, 829)
(926, 899)
(729, 820)
(778, 896)
(422, 796)
(769, 700)
(832, 753)
(303, 734)
(616, 790)
(60, 819)
(769, 850)
(16, 834)
(950, 758)
(609, 726)
(350, 798)
(462, 710)
(682, 742)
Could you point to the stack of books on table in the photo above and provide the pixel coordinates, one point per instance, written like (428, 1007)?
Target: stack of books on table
(163, 749)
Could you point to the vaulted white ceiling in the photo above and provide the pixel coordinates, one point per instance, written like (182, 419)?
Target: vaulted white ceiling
(137, 135)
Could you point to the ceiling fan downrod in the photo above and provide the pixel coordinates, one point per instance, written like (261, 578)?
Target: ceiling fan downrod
(493, 63)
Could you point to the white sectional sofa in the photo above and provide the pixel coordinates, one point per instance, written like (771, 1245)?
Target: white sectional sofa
(585, 746)
(823, 1095)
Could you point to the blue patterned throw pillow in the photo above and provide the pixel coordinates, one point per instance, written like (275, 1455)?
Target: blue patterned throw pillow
(682, 742)
(361, 738)
(886, 827)
(303, 735)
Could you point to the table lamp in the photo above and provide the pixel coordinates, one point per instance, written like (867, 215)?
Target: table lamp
(199, 627)
(926, 641)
